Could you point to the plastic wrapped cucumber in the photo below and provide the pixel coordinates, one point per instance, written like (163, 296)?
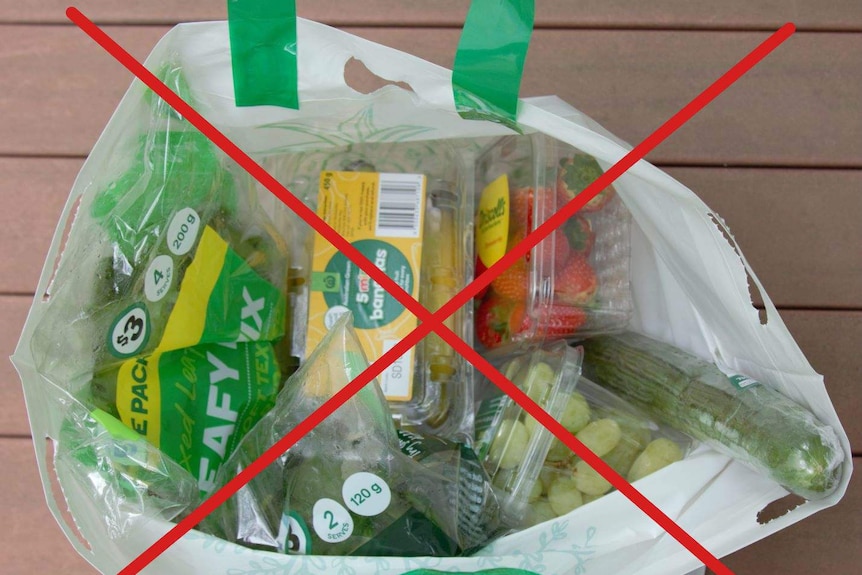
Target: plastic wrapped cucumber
(734, 414)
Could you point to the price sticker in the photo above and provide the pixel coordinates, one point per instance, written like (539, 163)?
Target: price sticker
(331, 521)
(129, 332)
(366, 494)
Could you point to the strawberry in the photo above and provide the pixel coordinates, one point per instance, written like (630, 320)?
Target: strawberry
(527, 212)
(580, 234)
(514, 283)
(561, 320)
(554, 251)
(521, 211)
(576, 283)
(575, 174)
(498, 319)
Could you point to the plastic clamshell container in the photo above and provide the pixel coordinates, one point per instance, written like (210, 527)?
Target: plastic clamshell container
(429, 389)
(614, 430)
(573, 284)
(511, 443)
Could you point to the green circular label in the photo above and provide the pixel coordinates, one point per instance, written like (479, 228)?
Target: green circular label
(372, 306)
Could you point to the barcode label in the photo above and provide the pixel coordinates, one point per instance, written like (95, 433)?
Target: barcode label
(395, 381)
(399, 205)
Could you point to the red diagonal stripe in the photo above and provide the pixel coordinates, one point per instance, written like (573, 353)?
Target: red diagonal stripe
(431, 321)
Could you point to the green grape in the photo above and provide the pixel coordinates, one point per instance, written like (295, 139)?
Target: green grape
(510, 444)
(601, 436)
(564, 495)
(548, 475)
(590, 498)
(540, 511)
(535, 491)
(540, 377)
(511, 368)
(589, 481)
(659, 453)
(576, 414)
(532, 425)
(559, 452)
(621, 457)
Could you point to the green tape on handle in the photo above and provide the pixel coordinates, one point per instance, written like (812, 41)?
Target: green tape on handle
(489, 63)
(263, 52)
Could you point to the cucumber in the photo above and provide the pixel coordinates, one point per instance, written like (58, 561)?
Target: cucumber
(735, 415)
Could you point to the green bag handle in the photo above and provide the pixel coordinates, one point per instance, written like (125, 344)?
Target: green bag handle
(486, 75)
(263, 52)
(489, 63)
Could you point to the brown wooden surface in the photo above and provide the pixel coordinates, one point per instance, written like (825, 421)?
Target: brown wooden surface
(807, 91)
(791, 132)
(732, 14)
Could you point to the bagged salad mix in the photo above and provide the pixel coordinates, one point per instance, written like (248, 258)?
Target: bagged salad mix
(193, 320)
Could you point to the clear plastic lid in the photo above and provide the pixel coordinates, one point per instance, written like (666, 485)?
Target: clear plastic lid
(408, 208)
(628, 440)
(511, 443)
(573, 284)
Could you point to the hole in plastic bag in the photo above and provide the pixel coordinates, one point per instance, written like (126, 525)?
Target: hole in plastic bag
(73, 215)
(58, 495)
(779, 507)
(753, 291)
(363, 80)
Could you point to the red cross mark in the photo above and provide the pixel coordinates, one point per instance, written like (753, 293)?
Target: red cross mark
(429, 321)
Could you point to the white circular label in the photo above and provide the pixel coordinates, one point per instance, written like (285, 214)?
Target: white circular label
(332, 314)
(159, 278)
(183, 231)
(366, 494)
(130, 331)
(332, 522)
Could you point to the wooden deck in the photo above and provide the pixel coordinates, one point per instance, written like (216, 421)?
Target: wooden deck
(779, 156)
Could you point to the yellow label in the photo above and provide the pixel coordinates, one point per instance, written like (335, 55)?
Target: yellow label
(492, 221)
(382, 215)
(139, 399)
(186, 323)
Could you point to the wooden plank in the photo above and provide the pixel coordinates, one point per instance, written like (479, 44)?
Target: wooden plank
(832, 14)
(823, 543)
(798, 108)
(827, 542)
(34, 543)
(829, 339)
(33, 192)
(794, 254)
(799, 229)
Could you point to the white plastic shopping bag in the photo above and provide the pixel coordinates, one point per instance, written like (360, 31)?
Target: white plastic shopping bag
(689, 287)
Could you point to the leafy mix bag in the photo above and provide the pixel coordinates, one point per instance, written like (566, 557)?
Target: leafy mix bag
(172, 321)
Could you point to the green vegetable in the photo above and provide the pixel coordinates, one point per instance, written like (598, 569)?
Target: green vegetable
(735, 415)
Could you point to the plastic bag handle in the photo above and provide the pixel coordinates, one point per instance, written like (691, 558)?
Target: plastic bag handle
(489, 63)
(487, 71)
(263, 52)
